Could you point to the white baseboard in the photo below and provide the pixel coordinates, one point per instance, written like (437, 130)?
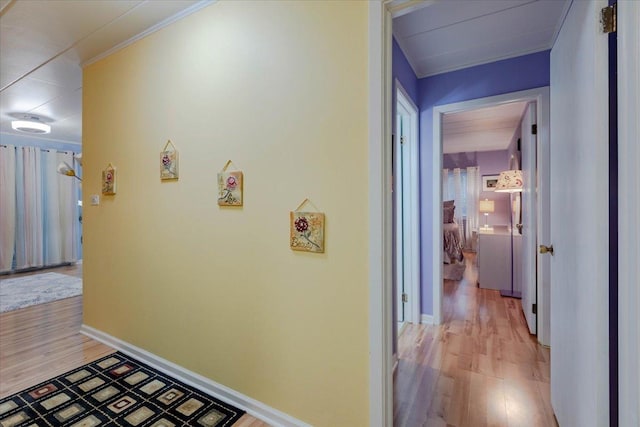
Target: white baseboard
(253, 407)
(426, 319)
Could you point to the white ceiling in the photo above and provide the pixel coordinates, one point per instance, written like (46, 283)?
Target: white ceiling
(439, 36)
(483, 129)
(44, 43)
(447, 35)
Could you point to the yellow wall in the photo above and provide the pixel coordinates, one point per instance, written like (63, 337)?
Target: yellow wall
(280, 88)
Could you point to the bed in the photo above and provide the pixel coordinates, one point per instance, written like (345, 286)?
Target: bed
(452, 256)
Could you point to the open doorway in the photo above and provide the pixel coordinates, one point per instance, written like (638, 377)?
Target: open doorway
(478, 146)
(533, 276)
(474, 360)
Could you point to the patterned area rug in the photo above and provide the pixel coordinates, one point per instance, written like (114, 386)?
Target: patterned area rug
(25, 291)
(115, 391)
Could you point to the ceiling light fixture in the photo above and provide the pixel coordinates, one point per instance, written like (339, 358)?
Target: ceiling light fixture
(30, 124)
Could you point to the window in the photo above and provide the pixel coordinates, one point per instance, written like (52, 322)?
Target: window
(460, 196)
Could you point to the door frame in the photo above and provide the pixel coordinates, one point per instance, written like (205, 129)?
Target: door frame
(541, 97)
(411, 208)
(380, 224)
(380, 216)
(628, 205)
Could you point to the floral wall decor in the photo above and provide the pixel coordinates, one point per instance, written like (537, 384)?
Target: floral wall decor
(229, 187)
(306, 230)
(109, 180)
(169, 162)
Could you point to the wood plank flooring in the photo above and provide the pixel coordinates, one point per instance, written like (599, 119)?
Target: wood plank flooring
(479, 368)
(43, 341)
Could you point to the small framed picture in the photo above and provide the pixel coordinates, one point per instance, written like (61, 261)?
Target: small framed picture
(230, 188)
(109, 181)
(169, 162)
(489, 182)
(306, 231)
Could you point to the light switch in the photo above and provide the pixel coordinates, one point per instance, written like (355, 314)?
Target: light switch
(95, 200)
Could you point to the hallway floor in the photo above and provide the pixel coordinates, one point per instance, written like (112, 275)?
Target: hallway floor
(481, 367)
(44, 341)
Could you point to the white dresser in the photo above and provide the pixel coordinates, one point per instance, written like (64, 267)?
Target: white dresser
(494, 259)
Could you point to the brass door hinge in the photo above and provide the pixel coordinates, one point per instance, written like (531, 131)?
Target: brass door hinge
(608, 17)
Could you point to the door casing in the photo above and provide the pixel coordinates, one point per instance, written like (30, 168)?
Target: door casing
(410, 200)
(541, 97)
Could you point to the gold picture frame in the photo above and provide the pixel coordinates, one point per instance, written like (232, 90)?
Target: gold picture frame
(230, 186)
(109, 180)
(306, 230)
(169, 162)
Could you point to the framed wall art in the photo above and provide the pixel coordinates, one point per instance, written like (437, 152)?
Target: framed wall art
(489, 182)
(230, 186)
(306, 230)
(109, 180)
(169, 162)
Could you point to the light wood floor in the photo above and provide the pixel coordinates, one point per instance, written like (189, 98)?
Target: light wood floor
(43, 341)
(479, 368)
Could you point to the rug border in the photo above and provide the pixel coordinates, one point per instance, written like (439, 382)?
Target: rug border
(234, 413)
(251, 406)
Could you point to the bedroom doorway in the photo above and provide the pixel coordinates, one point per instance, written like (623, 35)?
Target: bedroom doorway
(536, 279)
(406, 211)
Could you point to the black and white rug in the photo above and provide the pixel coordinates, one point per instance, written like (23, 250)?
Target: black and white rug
(116, 390)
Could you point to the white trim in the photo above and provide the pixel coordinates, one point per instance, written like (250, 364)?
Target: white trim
(380, 224)
(543, 216)
(380, 210)
(482, 62)
(629, 206)
(426, 319)
(251, 406)
(152, 29)
(436, 224)
(541, 96)
(411, 209)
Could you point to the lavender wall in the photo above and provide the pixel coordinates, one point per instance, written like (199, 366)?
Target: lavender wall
(510, 75)
(401, 70)
(492, 163)
(488, 163)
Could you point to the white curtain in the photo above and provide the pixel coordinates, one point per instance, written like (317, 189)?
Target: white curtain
(473, 197)
(51, 214)
(29, 230)
(45, 212)
(445, 185)
(463, 186)
(458, 196)
(68, 211)
(7, 206)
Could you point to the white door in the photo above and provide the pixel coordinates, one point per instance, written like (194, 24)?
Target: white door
(407, 213)
(579, 220)
(529, 222)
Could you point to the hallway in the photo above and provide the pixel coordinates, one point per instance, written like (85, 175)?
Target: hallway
(479, 368)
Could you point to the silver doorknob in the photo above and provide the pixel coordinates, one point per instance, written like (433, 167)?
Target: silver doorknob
(544, 249)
